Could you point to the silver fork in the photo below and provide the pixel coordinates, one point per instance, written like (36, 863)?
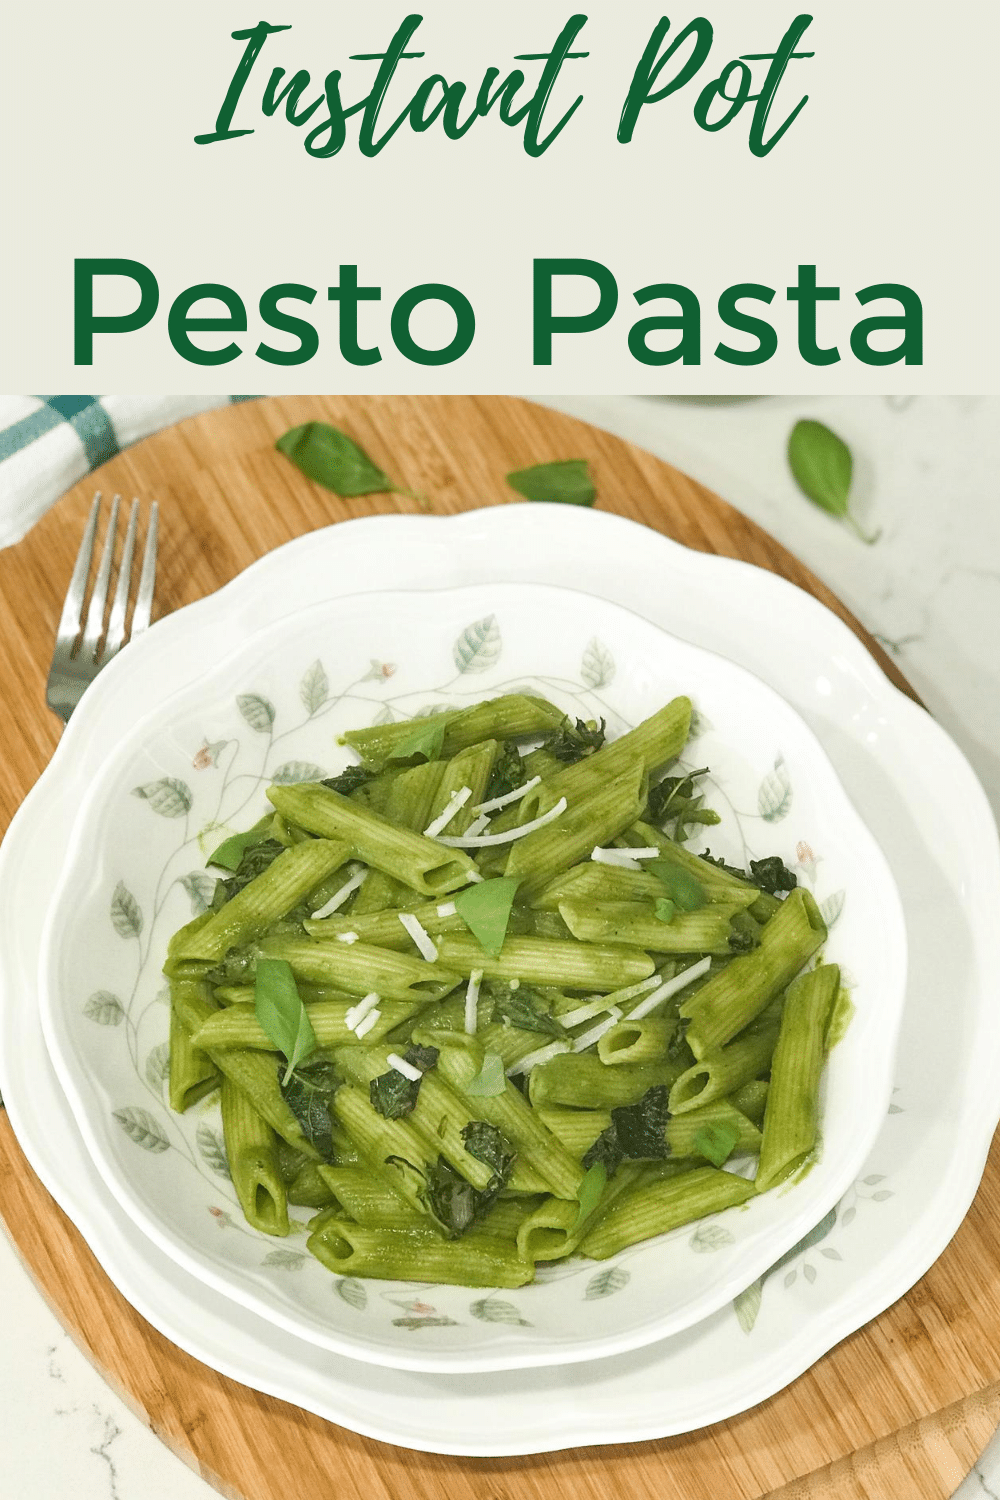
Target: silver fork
(74, 667)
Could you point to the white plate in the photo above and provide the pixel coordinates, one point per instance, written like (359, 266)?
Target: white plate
(182, 778)
(905, 776)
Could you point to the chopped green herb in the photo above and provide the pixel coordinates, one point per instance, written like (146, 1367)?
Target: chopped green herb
(349, 780)
(675, 799)
(452, 1201)
(392, 1094)
(716, 1143)
(637, 1132)
(684, 891)
(309, 1092)
(744, 932)
(720, 864)
(595, 1180)
(665, 909)
(486, 1143)
(253, 862)
(335, 461)
(823, 469)
(566, 482)
(231, 851)
(490, 1082)
(281, 1013)
(507, 774)
(574, 741)
(485, 909)
(772, 875)
(522, 1007)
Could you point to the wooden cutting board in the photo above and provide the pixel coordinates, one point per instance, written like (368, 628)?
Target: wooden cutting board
(900, 1409)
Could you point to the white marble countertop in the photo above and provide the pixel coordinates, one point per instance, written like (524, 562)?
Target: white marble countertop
(927, 473)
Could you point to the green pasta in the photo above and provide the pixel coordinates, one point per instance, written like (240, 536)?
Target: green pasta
(457, 1115)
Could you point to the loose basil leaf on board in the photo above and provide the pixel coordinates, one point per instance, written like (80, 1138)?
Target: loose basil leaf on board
(823, 469)
(309, 1092)
(281, 1013)
(335, 461)
(716, 1143)
(485, 909)
(589, 1194)
(566, 482)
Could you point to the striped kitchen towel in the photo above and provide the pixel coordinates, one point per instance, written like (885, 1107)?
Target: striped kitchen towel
(47, 443)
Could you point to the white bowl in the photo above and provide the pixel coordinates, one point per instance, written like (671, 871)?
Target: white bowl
(130, 878)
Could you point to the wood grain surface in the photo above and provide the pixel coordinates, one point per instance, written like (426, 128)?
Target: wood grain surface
(898, 1411)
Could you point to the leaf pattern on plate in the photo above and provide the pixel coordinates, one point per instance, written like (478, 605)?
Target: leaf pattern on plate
(212, 1149)
(479, 645)
(257, 711)
(142, 1128)
(711, 1237)
(606, 1283)
(831, 908)
(352, 1291)
(158, 1065)
(297, 770)
(314, 689)
(747, 1305)
(286, 1260)
(774, 797)
(384, 716)
(200, 887)
(598, 666)
(209, 754)
(126, 914)
(104, 1008)
(496, 1310)
(169, 797)
(437, 1320)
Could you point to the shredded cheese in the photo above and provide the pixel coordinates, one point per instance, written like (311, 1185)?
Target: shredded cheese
(486, 841)
(664, 991)
(608, 856)
(495, 803)
(587, 1012)
(367, 1024)
(348, 937)
(360, 1011)
(455, 803)
(533, 1059)
(595, 1033)
(402, 1066)
(359, 877)
(420, 936)
(447, 909)
(472, 1001)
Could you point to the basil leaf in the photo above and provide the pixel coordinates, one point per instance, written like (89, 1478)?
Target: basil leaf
(720, 864)
(426, 739)
(334, 460)
(255, 859)
(594, 1182)
(823, 469)
(716, 1142)
(490, 1082)
(572, 742)
(507, 774)
(566, 482)
(675, 799)
(486, 1144)
(522, 1008)
(392, 1094)
(664, 909)
(309, 1092)
(684, 891)
(744, 932)
(452, 1201)
(637, 1132)
(231, 851)
(349, 780)
(281, 1013)
(485, 909)
(772, 875)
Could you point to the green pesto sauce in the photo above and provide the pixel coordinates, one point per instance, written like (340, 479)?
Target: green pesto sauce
(841, 1016)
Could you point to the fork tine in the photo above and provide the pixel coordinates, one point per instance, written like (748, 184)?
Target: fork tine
(144, 598)
(116, 620)
(72, 610)
(94, 627)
